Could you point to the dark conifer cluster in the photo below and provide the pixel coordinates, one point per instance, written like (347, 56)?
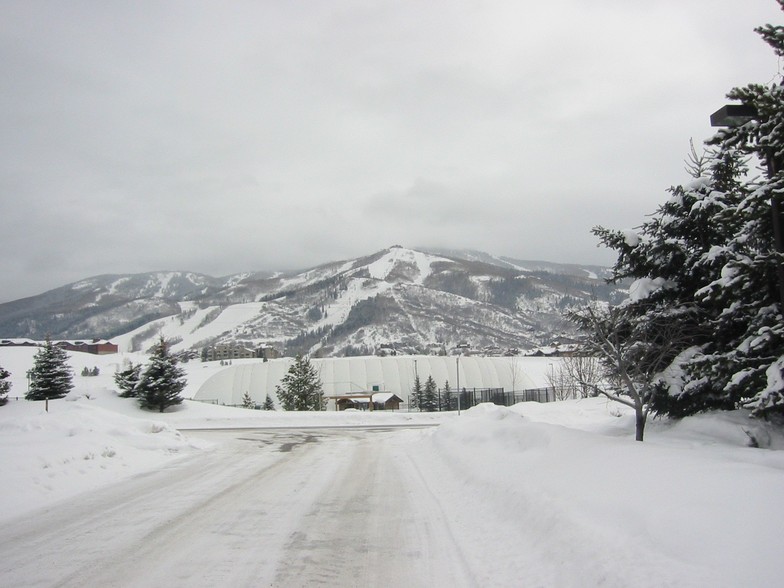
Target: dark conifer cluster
(703, 327)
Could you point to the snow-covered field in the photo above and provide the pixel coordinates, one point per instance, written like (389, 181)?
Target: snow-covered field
(538, 494)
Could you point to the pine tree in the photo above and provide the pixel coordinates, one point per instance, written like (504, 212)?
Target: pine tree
(429, 401)
(127, 380)
(446, 397)
(707, 264)
(51, 376)
(300, 388)
(268, 404)
(416, 394)
(162, 381)
(747, 359)
(670, 258)
(5, 386)
(247, 401)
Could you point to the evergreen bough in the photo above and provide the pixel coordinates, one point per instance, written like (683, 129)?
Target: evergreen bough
(51, 376)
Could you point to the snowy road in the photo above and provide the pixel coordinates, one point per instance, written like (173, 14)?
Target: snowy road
(264, 508)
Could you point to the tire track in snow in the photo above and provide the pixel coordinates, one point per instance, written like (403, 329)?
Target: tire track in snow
(218, 520)
(378, 525)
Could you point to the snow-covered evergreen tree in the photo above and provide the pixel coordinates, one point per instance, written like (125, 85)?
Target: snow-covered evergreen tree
(748, 358)
(247, 401)
(446, 397)
(127, 380)
(5, 385)
(429, 402)
(707, 263)
(416, 394)
(162, 380)
(51, 376)
(671, 257)
(268, 404)
(300, 388)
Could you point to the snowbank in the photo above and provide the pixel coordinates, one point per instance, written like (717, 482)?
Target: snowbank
(692, 506)
(76, 447)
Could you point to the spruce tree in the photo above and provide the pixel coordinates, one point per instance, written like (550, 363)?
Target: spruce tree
(747, 360)
(162, 381)
(707, 263)
(5, 386)
(670, 258)
(127, 380)
(268, 404)
(51, 376)
(416, 394)
(446, 397)
(429, 401)
(300, 388)
(247, 401)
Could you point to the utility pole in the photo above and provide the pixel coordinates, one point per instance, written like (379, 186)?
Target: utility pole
(457, 363)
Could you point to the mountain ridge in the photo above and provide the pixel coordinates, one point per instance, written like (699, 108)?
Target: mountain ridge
(413, 300)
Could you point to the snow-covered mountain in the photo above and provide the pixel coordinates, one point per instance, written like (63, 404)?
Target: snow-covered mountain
(409, 300)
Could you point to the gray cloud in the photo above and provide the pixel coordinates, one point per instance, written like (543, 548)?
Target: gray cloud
(266, 135)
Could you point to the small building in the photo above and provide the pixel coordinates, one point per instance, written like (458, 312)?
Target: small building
(267, 352)
(386, 349)
(462, 348)
(228, 351)
(95, 347)
(369, 401)
(386, 401)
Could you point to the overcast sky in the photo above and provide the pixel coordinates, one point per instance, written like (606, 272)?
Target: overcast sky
(222, 137)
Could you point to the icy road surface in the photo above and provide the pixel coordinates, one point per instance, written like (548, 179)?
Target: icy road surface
(318, 507)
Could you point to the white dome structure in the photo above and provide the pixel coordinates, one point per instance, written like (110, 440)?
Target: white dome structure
(394, 374)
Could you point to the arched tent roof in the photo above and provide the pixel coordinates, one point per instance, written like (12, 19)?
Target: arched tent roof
(390, 374)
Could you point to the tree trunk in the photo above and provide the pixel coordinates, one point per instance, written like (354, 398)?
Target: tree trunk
(639, 421)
